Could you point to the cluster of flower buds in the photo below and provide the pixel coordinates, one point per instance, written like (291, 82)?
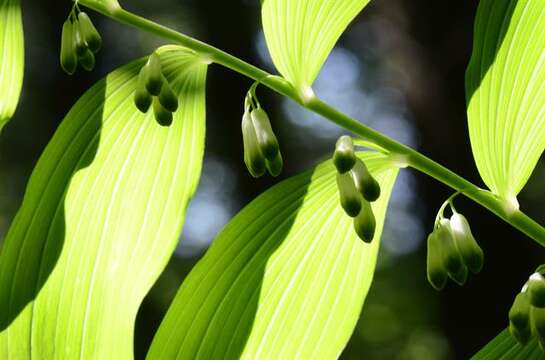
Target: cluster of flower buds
(527, 314)
(261, 148)
(357, 188)
(79, 43)
(153, 88)
(452, 251)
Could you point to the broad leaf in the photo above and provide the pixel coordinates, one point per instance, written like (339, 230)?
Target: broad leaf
(285, 279)
(101, 217)
(12, 58)
(504, 347)
(505, 90)
(301, 34)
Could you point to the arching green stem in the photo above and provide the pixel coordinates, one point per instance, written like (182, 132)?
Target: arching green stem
(405, 154)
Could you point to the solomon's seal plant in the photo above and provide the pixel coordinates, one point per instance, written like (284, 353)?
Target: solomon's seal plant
(452, 249)
(153, 88)
(357, 188)
(80, 41)
(287, 277)
(261, 148)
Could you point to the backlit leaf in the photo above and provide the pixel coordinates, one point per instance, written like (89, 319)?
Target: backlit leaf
(100, 219)
(12, 58)
(505, 91)
(301, 34)
(285, 279)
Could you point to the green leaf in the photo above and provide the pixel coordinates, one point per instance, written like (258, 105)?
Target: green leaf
(285, 279)
(505, 347)
(301, 34)
(505, 93)
(12, 58)
(100, 218)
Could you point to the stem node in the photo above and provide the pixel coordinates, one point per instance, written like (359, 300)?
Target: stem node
(307, 96)
(510, 206)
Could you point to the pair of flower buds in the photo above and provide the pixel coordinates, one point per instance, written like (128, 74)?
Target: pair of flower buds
(79, 42)
(527, 314)
(153, 88)
(452, 251)
(261, 148)
(357, 188)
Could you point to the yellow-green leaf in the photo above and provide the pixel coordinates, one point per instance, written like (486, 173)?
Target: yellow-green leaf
(100, 218)
(506, 93)
(12, 58)
(301, 34)
(285, 279)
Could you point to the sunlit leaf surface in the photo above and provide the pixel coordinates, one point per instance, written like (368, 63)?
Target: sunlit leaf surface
(301, 34)
(505, 90)
(504, 347)
(101, 217)
(285, 279)
(12, 58)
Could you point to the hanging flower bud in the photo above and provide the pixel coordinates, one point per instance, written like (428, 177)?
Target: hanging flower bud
(365, 222)
(162, 115)
(68, 57)
(79, 42)
(536, 290)
(87, 60)
(275, 167)
(364, 181)
(167, 97)
(253, 158)
(451, 257)
(351, 199)
(154, 75)
(89, 33)
(437, 274)
(265, 136)
(527, 315)
(459, 251)
(261, 148)
(344, 156)
(470, 251)
(142, 99)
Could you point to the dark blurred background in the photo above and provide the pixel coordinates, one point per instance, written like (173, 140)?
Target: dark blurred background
(399, 68)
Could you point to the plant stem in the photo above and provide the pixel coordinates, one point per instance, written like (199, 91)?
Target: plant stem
(405, 154)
